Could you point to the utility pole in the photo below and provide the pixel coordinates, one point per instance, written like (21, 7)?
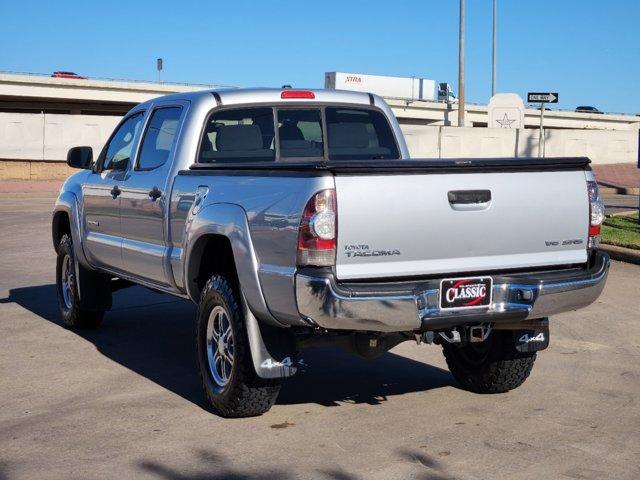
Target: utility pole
(493, 53)
(461, 67)
(541, 142)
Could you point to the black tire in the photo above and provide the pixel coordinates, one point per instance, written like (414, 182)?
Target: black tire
(244, 394)
(74, 314)
(493, 366)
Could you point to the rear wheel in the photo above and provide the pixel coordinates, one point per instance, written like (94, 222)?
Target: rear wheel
(492, 366)
(231, 385)
(73, 313)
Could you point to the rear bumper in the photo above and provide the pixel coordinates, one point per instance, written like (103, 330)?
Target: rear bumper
(408, 306)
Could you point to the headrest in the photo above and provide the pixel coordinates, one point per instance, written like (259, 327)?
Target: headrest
(348, 135)
(238, 137)
(289, 131)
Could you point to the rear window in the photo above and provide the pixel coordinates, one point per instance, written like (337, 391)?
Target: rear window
(300, 133)
(239, 135)
(359, 135)
(249, 135)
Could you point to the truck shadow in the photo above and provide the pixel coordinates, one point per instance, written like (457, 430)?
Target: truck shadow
(152, 335)
(209, 465)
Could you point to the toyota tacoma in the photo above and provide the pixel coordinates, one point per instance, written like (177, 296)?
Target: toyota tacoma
(295, 218)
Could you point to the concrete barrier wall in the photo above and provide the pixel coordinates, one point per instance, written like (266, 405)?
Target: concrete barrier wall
(64, 131)
(601, 146)
(47, 137)
(28, 136)
(22, 136)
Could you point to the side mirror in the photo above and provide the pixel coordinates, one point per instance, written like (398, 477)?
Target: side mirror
(80, 157)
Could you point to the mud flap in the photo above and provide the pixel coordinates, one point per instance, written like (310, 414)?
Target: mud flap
(272, 349)
(94, 289)
(531, 340)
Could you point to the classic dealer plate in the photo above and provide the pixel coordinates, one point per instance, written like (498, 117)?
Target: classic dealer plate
(471, 292)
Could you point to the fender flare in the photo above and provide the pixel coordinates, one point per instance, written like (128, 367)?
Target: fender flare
(230, 221)
(272, 346)
(94, 290)
(67, 203)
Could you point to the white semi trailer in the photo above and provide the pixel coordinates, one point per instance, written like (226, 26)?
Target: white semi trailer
(410, 88)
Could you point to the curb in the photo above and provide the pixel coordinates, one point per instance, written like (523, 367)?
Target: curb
(625, 213)
(609, 188)
(622, 254)
(30, 186)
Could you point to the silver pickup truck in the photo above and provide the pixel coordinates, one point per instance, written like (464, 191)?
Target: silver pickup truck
(296, 218)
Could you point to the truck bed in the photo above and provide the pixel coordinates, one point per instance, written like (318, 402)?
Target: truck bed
(408, 218)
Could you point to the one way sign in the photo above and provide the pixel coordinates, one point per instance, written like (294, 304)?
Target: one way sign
(542, 97)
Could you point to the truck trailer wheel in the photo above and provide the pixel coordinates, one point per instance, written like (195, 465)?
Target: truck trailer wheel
(492, 366)
(231, 385)
(74, 314)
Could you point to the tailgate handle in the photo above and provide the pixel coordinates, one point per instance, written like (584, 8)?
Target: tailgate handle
(469, 197)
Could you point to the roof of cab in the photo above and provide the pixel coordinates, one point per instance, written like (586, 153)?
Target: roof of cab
(273, 95)
(233, 96)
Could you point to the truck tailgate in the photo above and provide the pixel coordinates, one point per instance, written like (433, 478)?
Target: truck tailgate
(411, 224)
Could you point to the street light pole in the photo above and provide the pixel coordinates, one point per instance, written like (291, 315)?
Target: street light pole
(159, 63)
(461, 67)
(493, 53)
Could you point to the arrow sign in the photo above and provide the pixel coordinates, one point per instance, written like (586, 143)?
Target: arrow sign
(542, 97)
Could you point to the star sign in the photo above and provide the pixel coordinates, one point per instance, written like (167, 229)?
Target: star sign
(505, 122)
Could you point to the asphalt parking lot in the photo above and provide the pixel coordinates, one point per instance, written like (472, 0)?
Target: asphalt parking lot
(125, 402)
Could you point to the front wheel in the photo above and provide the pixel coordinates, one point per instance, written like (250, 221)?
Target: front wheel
(73, 312)
(492, 366)
(231, 385)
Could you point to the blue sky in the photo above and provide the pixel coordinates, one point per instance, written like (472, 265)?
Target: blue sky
(587, 50)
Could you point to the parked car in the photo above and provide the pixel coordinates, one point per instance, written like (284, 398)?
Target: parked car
(587, 109)
(72, 75)
(296, 218)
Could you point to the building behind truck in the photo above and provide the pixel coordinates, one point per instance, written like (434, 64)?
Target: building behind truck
(408, 88)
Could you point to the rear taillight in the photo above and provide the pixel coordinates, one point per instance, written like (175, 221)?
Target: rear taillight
(317, 234)
(596, 214)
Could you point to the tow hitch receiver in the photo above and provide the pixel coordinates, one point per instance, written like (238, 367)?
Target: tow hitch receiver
(479, 333)
(531, 340)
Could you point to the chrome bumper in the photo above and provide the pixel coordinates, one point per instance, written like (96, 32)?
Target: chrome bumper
(408, 306)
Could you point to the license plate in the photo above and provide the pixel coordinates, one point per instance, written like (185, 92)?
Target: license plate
(471, 292)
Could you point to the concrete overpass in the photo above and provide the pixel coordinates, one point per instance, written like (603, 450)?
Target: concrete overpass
(30, 93)
(436, 113)
(41, 117)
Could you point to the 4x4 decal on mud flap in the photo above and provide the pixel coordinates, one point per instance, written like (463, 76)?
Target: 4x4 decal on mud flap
(531, 340)
(286, 364)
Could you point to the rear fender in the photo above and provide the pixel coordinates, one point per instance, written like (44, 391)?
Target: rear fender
(230, 221)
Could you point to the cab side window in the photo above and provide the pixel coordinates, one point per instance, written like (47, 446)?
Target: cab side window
(159, 138)
(120, 146)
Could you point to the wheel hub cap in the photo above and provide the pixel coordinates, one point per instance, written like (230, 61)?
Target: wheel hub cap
(219, 346)
(67, 281)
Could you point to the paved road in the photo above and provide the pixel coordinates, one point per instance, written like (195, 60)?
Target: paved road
(124, 401)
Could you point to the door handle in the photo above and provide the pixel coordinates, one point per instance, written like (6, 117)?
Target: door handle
(115, 191)
(155, 194)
